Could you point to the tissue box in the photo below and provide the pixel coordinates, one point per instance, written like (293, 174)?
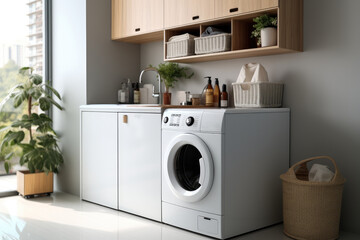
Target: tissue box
(258, 94)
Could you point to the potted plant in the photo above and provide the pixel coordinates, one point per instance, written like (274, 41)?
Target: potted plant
(34, 135)
(265, 30)
(170, 73)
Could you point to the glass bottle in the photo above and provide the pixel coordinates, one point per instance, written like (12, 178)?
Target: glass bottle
(224, 97)
(137, 94)
(216, 93)
(130, 92)
(209, 94)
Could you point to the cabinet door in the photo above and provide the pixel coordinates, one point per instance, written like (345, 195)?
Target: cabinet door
(116, 21)
(140, 164)
(99, 158)
(224, 8)
(141, 16)
(182, 12)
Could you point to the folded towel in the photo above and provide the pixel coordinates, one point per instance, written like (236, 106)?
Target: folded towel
(185, 36)
(210, 31)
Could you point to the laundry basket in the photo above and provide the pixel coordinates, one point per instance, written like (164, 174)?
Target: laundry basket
(258, 94)
(312, 209)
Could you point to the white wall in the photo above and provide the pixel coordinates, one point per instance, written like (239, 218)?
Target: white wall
(88, 68)
(322, 85)
(69, 78)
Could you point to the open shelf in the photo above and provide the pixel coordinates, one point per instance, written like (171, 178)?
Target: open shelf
(252, 52)
(289, 34)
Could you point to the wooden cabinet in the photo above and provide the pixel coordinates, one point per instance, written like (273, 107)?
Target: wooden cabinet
(116, 21)
(225, 8)
(182, 12)
(153, 20)
(136, 18)
(240, 26)
(99, 158)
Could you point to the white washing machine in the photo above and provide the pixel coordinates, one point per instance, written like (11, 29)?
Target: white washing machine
(221, 169)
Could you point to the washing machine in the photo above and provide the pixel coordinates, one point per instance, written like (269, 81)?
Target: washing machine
(221, 167)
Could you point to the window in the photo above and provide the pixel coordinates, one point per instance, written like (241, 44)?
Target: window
(22, 28)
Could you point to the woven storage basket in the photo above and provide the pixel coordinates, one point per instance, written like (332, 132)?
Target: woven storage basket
(312, 209)
(180, 48)
(258, 94)
(212, 44)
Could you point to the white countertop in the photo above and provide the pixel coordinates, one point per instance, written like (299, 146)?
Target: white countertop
(135, 108)
(155, 108)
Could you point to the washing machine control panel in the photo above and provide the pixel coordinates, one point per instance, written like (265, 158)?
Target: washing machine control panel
(182, 120)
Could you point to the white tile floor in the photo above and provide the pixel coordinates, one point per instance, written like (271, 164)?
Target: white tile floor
(63, 216)
(7, 183)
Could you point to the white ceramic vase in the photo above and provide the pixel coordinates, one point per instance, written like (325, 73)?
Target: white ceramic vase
(268, 37)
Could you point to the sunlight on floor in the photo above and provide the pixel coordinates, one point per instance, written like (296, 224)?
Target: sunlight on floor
(66, 217)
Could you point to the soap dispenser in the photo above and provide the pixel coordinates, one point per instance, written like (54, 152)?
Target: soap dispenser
(203, 93)
(209, 94)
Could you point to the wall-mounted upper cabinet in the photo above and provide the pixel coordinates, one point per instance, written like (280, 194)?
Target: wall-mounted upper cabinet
(183, 12)
(141, 21)
(225, 8)
(141, 18)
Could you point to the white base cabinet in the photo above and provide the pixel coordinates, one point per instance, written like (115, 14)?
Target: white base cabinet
(99, 175)
(140, 164)
(121, 159)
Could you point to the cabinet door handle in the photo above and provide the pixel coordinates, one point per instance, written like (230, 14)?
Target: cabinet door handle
(233, 10)
(195, 17)
(137, 29)
(125, 119)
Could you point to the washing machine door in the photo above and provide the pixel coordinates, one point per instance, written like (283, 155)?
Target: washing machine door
(188, 168)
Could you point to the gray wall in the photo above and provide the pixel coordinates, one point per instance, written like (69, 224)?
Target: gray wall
(108, 62)
(322, 85)
(88, 68)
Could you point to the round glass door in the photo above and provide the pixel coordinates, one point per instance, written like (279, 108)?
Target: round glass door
(189, 168)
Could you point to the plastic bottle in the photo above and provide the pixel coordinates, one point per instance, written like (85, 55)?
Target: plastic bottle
(209, 94)
(216, 93)
(224, 97)
(122, 93)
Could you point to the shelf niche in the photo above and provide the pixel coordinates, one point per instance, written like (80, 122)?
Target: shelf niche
(289, 34)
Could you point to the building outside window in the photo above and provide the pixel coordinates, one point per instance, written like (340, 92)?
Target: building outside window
(21, 44)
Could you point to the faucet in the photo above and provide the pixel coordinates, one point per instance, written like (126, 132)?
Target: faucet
(158, 94)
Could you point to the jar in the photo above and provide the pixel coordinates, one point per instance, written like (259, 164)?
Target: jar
(195, 99)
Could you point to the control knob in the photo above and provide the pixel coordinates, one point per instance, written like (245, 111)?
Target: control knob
(190, 121)
(166, 119)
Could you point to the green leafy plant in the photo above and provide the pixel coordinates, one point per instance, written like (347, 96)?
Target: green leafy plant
(33, 133)
(171, 72)
(261, 22)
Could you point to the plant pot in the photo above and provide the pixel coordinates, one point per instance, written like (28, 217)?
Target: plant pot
(29, 184)
(268, 37)
(167, 98)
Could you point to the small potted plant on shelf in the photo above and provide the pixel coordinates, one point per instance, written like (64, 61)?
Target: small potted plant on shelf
(33, 135)
(265, 30)
(170, 73)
